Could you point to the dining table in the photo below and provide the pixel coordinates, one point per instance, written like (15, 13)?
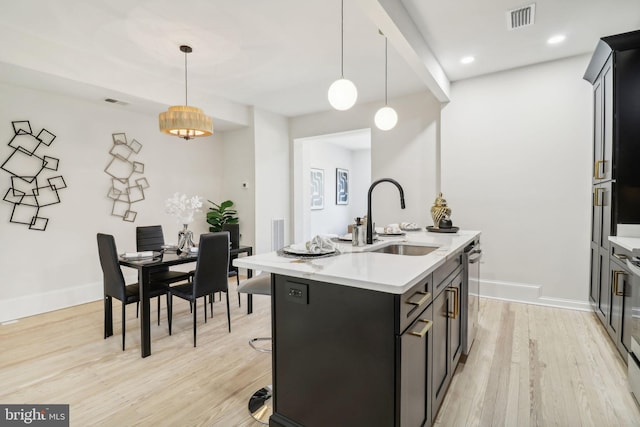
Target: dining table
(145, 267)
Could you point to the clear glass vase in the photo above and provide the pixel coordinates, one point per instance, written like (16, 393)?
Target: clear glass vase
(185, 239)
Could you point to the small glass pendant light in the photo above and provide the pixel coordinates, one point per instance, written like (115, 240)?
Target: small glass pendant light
(342, 94)
(386, 118)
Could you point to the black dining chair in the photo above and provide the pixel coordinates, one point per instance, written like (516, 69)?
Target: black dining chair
(114, 284)
(151, 238)
(234, 237)
(233, 272)
(210, 276)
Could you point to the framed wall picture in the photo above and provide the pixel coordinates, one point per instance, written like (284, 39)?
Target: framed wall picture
(317, 189)
(342, 186)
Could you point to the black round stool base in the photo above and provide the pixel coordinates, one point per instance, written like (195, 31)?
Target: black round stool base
(260, 405)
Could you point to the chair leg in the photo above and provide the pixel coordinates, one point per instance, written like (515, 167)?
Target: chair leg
(137, 308)
(158, 310)
(194, 319)
(123, 323)
(228, 312)
(205, 309)
(237, 286)
(169, 309)
(108, 317)
(211, 298)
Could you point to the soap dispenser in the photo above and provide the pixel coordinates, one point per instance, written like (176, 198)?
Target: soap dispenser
(358, 233)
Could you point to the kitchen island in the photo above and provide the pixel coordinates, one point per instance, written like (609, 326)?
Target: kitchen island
(363, 337)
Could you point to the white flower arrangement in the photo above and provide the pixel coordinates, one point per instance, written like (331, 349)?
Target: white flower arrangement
(183, 207)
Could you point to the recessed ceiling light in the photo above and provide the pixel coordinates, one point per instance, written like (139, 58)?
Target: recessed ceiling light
(467, 60)
(556, 39)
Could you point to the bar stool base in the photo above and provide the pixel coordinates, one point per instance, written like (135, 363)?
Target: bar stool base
(260, 405)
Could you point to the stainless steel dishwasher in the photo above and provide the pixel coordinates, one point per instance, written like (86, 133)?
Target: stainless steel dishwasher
(471, 294)
(633, 363)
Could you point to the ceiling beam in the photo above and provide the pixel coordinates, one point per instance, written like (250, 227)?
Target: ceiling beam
(394, 21)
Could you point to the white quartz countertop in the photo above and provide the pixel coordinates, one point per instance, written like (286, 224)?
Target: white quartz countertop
(357, 267)
(631, 244)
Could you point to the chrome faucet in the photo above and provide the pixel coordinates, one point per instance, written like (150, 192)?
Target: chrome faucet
(369, 219)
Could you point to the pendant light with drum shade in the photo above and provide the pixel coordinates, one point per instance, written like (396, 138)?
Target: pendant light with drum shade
(182, 120)
(386, 117)
(342, 93)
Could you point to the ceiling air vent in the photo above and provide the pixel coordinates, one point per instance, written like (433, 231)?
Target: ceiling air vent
(115, 101)
(521, 17)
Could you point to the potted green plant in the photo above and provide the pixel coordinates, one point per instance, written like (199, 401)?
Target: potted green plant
(221, 214)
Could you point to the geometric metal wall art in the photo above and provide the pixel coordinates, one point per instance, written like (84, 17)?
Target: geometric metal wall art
(127, 182)
(34, 180)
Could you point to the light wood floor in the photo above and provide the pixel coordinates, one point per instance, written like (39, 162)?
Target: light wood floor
(539, 366)
(530, 366)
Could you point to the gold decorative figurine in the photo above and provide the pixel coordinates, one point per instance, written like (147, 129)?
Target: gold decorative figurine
(440, 211)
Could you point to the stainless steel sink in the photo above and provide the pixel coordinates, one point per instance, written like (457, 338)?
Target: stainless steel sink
(405, 249)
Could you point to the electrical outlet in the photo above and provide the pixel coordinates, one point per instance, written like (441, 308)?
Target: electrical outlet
(298, 293)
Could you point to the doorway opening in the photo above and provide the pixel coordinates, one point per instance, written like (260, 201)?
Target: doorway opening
(329, 202)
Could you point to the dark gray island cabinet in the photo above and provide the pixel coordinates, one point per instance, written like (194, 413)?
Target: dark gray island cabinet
(348, 356)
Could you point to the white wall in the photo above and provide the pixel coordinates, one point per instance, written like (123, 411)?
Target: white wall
(359, 182)
(516, 150)
(59, 267)
(406, 153)
(238, 168)
(272, 177)
(334, 218)
(258, 156)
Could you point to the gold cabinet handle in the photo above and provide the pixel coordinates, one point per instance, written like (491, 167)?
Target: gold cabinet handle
(616, 283)
(456, 303)
(596, 199)
(596, 169)
(422, 332)
(621, 257)
(422, 298)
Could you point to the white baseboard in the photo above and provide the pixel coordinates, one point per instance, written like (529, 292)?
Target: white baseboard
(17, 308)
(30, 305)
(527, 294)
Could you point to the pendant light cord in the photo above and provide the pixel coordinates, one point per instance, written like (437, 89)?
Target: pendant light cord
(342, 39)
(186, 102)
(385, 71)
